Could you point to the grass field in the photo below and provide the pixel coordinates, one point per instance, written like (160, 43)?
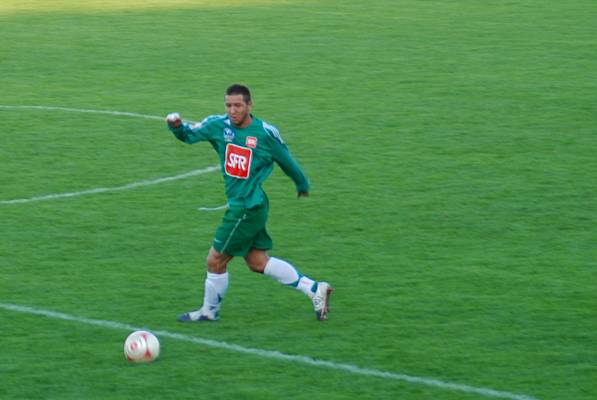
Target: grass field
(451, 147)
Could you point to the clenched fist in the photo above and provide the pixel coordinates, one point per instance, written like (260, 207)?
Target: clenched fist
(173, 120)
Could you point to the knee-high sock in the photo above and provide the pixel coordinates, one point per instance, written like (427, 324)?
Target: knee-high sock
(216, 286)
(286, 274)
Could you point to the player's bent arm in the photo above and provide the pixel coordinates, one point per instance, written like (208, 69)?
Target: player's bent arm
(290, 167)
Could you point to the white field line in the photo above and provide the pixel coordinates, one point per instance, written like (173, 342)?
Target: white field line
(114, 188)
(108, 189)
(82, 110)
(276, 355)
(213, 208)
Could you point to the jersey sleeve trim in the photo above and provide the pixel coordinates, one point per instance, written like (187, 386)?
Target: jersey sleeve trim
(273, 132)
(210, 119)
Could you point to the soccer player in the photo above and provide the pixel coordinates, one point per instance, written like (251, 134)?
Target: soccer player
(247, 148)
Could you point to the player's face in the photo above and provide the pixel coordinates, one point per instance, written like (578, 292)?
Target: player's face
(238, 111)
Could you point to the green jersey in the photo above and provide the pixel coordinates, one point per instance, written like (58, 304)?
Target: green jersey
(246, 156)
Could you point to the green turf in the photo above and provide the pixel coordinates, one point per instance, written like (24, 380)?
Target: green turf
(451, 146)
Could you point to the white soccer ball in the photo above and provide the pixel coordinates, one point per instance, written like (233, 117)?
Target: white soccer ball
(141, 346)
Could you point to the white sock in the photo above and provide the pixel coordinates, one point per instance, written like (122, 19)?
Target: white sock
(286, 274)
(216, 286)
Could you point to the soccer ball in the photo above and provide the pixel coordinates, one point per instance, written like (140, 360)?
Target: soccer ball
(141, 346)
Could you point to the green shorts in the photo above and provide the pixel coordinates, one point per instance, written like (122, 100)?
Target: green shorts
(243, 229)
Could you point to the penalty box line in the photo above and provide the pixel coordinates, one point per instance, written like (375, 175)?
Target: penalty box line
(276, 355)
(102, 189)
(114, 188)
(81, 110)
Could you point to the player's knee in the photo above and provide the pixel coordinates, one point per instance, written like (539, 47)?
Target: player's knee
(216, 263)
(255, 267)
(256, 260)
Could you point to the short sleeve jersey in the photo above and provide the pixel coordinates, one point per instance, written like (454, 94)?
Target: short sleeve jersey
(246, 156)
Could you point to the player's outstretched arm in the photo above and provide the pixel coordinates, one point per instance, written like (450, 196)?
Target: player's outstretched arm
(185, 132)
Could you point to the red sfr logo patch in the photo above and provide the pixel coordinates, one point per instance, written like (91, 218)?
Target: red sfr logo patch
(251, 141)
(238, 161)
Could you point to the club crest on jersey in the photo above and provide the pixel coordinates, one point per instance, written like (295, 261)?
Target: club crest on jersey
(238, 161)
(228, 135)
(251, 141)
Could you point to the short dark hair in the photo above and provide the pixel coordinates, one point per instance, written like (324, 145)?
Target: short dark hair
(239, 89)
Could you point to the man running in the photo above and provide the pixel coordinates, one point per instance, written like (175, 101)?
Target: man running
(247, 148)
